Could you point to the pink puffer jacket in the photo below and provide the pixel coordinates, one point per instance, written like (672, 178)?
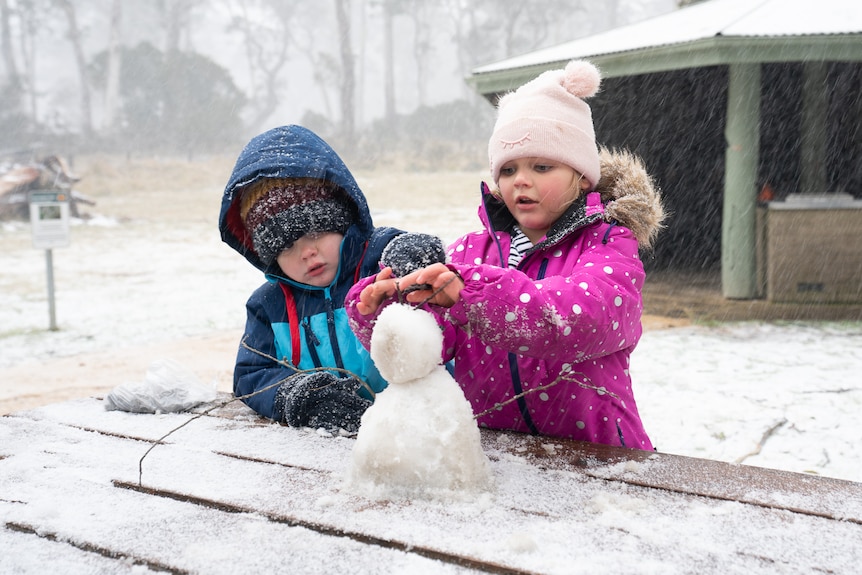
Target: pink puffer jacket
(545, 348)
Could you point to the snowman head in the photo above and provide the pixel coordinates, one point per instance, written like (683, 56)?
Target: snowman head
(406, 343)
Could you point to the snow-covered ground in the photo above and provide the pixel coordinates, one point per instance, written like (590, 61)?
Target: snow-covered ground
(138, 285)
(785, 396)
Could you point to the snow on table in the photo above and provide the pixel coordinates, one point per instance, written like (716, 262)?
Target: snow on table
(230, 492)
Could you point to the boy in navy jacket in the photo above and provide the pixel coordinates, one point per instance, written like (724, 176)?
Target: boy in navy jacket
(294, 210)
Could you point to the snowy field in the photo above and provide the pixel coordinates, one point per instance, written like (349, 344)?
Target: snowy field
(147, 278)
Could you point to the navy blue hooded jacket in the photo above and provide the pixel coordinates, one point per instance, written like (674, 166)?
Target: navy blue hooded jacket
(296, 323)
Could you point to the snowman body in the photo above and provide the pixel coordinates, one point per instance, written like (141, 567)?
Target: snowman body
(419, 437)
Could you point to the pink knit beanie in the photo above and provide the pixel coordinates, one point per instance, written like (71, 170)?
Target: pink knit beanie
(547, 118)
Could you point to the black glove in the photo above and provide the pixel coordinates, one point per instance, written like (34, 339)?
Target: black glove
(409, 252)
(319, 399)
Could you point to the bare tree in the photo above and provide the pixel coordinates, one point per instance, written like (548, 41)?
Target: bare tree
(471, 47)
(14, 86)
(31, 19)
(176, 19)
(417, 11)
(606, 15)
(484, 31)
(112, 84)
(389, 8)
(348, 70)
(74, 35)
(268, 31)
(420, 12)
(521, 28)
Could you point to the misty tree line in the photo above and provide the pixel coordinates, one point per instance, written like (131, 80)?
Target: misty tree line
(143, 86)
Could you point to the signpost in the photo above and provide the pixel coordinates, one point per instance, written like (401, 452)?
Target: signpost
(49, 219)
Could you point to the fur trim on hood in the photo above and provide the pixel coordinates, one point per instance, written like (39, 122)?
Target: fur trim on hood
(630, 195)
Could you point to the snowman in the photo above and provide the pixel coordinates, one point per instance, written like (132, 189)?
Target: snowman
(419, 438)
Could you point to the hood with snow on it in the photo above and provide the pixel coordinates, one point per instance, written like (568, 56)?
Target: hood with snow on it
(286, 152)
(630, 195)
(419, 438)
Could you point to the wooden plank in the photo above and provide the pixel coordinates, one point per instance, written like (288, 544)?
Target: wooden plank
(214, 480)
(96, 527)
(528, 499)
(332, 530)
(113, 555)
(800, 493)
(796, 492)
(809, 494)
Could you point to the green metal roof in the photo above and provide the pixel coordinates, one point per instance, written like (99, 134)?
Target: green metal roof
(717, 32)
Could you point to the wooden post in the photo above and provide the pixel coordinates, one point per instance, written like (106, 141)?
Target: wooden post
(52, 310)
(742, 133)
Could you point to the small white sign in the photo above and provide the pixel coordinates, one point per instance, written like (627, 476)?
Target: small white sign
(49, 219)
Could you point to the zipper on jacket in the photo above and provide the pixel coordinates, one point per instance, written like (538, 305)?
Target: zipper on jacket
(311, 341)
(514, 373)
(608, 231)
(518, 388)
(620, 434)
(543, 269)
(333, 336)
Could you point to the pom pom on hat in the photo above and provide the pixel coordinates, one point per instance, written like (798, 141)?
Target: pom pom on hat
(277, 212)
(548, 118)
(581, 79)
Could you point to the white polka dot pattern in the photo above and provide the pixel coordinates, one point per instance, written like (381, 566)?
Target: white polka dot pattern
(556, 333)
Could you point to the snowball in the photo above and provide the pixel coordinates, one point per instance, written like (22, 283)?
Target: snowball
(419, 438)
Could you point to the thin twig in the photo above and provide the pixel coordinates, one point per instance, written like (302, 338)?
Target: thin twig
(564, 376)
(567, 376)
(419, 287)
(284, 363)
(766, 435)
(287, 364)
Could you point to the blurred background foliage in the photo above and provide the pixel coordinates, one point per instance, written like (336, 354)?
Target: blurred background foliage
(382, 80)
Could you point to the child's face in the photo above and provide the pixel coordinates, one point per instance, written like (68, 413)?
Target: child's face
(537, 191)
(312, 259)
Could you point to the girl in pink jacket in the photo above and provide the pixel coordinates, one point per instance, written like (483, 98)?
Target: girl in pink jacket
(542, 308)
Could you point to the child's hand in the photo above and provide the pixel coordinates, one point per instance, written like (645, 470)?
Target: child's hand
(435, 284)
(373, 295)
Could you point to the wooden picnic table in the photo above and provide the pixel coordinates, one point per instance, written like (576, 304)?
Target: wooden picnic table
(86, 490)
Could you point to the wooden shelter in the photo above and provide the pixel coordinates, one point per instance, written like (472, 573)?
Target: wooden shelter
(760, 88)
